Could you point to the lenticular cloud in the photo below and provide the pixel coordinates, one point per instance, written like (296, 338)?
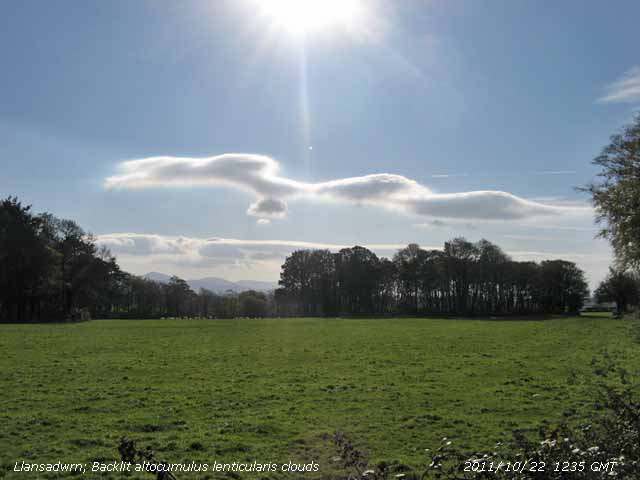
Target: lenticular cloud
(259, 175)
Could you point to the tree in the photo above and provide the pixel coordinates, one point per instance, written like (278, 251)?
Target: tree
(489, 274)
(616, 196)
(89, 275)
(252, 304)
(308, 279)
(25, 261)
(620, 287)
(562, 285)
(408, 263)
(295, 278)
(179, 297)
(461, 256)
(358, 274)
(463, 278)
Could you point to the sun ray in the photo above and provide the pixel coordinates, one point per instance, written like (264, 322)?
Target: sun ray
(305, 116)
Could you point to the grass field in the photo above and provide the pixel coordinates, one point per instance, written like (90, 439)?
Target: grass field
(274, 389)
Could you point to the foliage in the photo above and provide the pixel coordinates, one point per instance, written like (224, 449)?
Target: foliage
(130, 452)
(252, 304)
(620, 287)
(616, 195)
(463, 279)
(49, 268)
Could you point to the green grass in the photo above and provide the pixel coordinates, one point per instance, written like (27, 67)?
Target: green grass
(275, 389)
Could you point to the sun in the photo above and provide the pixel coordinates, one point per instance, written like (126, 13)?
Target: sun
(301, 17)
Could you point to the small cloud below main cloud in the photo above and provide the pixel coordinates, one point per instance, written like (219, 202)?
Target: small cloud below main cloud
(268, 208)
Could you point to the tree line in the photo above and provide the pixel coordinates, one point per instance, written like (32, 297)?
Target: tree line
(463, 278)
(52, 270)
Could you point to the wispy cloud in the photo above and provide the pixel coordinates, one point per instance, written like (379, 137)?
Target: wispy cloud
(449, 175)
(535, 237)
(259, 174)
(624, 90)
(555, 172)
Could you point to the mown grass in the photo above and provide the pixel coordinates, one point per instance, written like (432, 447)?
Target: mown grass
(275, 389)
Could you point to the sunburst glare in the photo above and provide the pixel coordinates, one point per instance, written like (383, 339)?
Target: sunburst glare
(301, 17)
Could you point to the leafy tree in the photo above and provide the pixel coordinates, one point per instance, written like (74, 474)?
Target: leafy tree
(408, 262)
(620, 287)
(563, 286)
(295, 279)
(25, 261)
(616, 195)
(461, 256)
(463, 278)
(207, 302)
(252, 304)
(88, 274)
(308, 278)
(388, 287)
(179, 297)
(490, 275)
(358, 274)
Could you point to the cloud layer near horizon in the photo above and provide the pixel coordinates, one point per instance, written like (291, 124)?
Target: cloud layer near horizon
(258, 174)
(261, 259)
(230, 249)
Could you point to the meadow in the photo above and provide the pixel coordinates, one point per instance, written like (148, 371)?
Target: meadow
(275, 390)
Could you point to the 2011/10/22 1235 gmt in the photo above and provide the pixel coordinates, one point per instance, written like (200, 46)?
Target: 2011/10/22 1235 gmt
(531, 465)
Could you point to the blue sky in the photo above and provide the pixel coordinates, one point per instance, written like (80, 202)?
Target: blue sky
(446, 97)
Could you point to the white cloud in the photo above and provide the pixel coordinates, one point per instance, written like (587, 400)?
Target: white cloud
(148, 244)
(258, 174)
(479, 205)
(624, 90)
(227, 250)
(268, 208)
(455, 225)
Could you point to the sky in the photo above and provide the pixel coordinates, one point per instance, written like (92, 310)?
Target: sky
(212, 138)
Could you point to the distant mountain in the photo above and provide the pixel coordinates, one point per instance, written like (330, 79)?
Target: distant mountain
(157, 277)
(216, 284)
(257, 285)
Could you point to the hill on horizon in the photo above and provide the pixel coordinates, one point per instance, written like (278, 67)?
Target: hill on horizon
(216, 284)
